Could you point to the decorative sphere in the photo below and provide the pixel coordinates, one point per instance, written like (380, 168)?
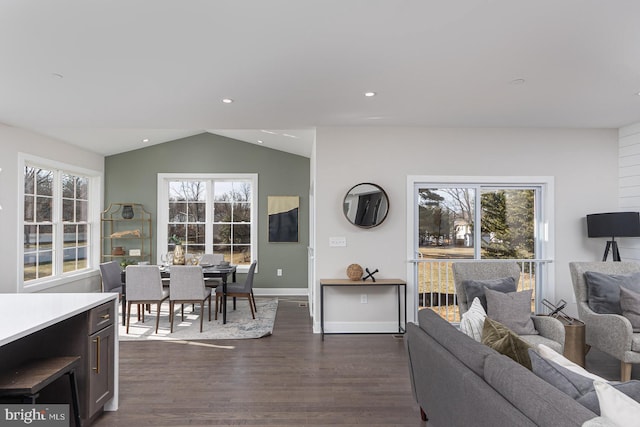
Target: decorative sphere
(355, 272)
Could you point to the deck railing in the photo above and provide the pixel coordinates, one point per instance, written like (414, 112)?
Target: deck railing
(436, 289)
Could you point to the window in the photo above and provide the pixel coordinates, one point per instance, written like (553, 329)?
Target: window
(507, 216)
(209, 213)
(459, 219)
(57, 217)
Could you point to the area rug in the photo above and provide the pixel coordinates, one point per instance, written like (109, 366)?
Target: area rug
(239, 324)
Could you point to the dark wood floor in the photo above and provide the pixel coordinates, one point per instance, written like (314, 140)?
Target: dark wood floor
(291, 378)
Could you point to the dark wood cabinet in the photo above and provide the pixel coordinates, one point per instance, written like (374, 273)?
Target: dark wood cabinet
(100, 357)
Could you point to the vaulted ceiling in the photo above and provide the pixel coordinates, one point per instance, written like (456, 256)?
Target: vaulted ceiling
(109, 74)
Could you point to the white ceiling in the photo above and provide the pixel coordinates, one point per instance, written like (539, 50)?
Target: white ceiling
(158, 69)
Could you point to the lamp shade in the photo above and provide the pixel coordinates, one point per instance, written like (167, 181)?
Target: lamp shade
(614, 224)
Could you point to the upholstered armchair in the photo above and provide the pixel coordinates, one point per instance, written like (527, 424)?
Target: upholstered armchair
(550, 331)
(609, 333)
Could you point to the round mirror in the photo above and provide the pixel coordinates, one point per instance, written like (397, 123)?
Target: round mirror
(366, 205)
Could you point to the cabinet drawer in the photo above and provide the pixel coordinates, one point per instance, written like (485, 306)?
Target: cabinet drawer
(101, 317)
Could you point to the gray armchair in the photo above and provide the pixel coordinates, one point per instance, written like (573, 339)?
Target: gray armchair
(551, 331)
(609, 333)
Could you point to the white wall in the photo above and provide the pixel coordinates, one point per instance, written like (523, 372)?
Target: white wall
(12, 142)
(584, 164)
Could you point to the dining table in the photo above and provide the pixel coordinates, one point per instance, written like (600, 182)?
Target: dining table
(209, 271)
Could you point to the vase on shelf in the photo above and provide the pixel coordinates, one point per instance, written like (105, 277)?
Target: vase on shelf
(127, 212)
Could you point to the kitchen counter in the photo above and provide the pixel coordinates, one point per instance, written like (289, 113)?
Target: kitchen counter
(24, 314)
(64, 324)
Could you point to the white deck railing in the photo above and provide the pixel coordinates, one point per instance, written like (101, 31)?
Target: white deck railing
(436, 289)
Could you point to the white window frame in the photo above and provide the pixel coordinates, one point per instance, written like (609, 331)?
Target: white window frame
(163, 212)
(545, 225)
(93, 222)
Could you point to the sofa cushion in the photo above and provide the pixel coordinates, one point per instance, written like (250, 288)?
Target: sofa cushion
(635, 342)
(512, 309)
(472, 320)
(537, 399)
(603, 290)
(470, 352)
(503, 340)
(475, 288)
(630, 305)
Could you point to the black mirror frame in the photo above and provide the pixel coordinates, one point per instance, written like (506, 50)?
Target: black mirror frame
(385, 196)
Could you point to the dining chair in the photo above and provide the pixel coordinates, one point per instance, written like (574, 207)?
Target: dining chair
(144, 286)
(244, 290)
(187, 286)
(111, 274)
(212, 259)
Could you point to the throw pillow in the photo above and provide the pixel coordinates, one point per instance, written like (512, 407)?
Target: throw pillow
(603, 290)
(557, 376)
(630, 305)
(616, 406)
(504, 341)
(472, 321)
(550, 354)
(475, 288)
(629, 388)
(512, 309)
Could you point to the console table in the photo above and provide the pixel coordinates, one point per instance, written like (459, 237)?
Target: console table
(359, 283)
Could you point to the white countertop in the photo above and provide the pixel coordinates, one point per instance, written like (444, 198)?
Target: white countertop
(24, 314)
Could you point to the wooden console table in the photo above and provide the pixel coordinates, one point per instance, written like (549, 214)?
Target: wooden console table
(359, 283)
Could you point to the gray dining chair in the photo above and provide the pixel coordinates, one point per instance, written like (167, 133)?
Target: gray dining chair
(187, 286)
(237, 290)
(144, 286)
(111, 275)
(212, 259)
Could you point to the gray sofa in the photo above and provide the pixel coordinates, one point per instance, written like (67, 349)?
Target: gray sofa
(458, 381)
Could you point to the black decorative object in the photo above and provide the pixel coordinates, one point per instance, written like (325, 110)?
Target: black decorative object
(613, 224)
(556, 309)
(370, 274)
(127, 212)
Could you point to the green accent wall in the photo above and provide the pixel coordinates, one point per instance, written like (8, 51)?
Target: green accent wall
(132, 177)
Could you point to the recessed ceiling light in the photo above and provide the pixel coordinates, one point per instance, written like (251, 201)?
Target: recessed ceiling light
(369, 94)
(517, 81)
(57, 75)
(259, 141)
(227, 100)
(268, 131)
(145, 140)
(289, 136)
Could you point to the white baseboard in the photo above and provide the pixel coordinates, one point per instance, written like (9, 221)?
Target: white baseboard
(283, 292)
(358, 327)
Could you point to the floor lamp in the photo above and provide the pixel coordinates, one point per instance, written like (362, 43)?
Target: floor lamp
(612, 225)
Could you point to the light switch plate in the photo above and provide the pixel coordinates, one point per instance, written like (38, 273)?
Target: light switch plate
(337, 241)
